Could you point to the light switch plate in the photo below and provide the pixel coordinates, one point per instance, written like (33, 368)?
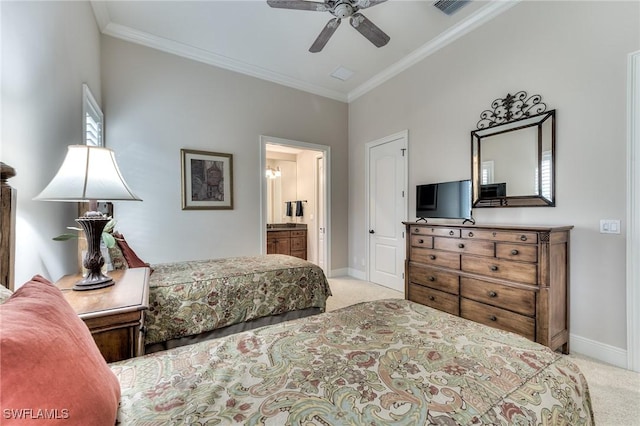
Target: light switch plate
(609, 226)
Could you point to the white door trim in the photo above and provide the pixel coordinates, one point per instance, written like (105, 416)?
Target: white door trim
(326, 152)
(368, 147)
(320, 247)
(633, 213)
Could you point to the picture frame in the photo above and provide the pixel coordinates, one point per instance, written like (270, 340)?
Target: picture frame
(207, 180)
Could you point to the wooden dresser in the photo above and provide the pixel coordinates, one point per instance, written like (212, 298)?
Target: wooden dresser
(515, 278)
(291, 242)
(115, 314)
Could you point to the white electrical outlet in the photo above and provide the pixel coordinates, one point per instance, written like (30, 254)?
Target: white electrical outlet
(609, 226)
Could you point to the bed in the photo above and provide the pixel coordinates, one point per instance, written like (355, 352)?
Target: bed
(376, 363)
(198, 300)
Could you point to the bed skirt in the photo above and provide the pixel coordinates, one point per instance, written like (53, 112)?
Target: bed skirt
(232, 329)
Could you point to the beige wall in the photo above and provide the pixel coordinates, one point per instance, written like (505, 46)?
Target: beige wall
(49, 49)
(156, 103)
(575, 55)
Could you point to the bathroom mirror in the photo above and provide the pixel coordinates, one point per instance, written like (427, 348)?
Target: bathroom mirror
(513, 164)
(281, 187)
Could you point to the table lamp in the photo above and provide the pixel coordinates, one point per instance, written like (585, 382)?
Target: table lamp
(89, 173)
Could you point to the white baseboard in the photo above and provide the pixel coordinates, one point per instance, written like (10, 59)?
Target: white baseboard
(339, 272)
(597, 350)
(348, 272)
(360, 275)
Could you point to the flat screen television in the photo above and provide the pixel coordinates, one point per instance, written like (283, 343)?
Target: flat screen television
(444, 200)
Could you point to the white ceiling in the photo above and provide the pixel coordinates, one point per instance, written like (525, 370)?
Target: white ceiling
(252, 38)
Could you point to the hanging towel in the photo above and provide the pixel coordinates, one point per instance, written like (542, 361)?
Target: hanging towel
(289, 210)
(299, 208)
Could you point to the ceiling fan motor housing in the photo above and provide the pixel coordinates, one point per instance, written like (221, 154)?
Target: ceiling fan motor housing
(343, 10)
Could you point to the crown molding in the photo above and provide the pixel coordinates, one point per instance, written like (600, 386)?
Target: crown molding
(463, 27)
(101, 13)
(483, 15)
(201, 55)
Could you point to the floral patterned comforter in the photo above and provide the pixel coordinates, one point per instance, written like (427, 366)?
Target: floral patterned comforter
(189, 298)
(390, 362)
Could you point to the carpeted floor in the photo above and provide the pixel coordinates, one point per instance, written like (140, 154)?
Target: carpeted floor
(615, 392)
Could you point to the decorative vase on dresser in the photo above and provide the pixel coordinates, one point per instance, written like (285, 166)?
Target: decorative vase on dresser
(515, 278)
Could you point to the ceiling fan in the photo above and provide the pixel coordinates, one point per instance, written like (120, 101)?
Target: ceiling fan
(340, 9)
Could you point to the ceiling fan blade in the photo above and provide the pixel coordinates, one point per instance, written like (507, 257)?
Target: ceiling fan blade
(325, 35)
(368, 29)
(298, 4)
(363, 4)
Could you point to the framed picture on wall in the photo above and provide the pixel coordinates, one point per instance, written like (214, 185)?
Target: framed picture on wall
(207, 180)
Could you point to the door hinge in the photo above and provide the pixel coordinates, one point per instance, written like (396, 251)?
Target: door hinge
(403, 275)
(402, 194)
(402, 234)
(403, 150)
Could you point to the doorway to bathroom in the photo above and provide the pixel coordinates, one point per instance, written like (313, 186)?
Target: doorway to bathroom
(295, 197)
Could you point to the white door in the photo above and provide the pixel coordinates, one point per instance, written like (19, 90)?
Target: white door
(322, 226)
(387, 209)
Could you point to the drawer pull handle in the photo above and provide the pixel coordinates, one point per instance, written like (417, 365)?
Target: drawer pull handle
(417, 230)
(460, 245)
(494, 268)
(421, 241)
(471, 234)
(492, 294)
(451, 233)
(493, 318)
(514, 252)
(523, 238)
(432, 298)
(432, 278)
(432, 257)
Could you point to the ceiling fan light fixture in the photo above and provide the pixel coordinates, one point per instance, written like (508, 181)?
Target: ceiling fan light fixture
(343, 10)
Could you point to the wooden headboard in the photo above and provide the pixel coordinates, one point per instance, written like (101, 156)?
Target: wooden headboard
(8, 197)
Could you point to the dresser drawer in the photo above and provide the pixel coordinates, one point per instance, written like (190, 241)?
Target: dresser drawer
(526, 273)
(429, 230)
(434, 278)
(521, 252)
(513, 299)
(480, 247)
(434, 298)
(436, 258)
(506, 236)
(499, 318)
(421, 241)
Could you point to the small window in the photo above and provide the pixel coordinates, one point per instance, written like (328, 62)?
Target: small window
(93, 119)
(487, 172)
(546, 175)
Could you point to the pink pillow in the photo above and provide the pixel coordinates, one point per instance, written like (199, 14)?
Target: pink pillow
(51, 369)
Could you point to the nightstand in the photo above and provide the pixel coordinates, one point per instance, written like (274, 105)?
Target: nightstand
(115, 314)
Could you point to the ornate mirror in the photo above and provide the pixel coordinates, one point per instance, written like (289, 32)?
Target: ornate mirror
(513, 154)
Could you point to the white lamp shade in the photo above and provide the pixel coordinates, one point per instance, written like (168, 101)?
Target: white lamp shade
(88, 173)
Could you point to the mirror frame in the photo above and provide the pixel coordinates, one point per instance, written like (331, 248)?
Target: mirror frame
(534, 200)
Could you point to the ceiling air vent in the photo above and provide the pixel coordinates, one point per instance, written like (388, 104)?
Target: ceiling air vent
(450, 6)
(342, 73)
